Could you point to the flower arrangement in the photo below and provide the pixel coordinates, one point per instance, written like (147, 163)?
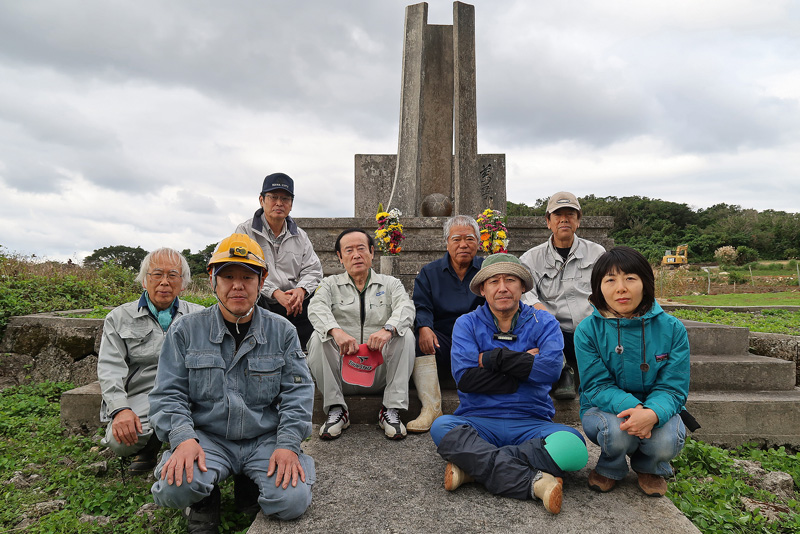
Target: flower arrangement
(494, 236)
(389, 234)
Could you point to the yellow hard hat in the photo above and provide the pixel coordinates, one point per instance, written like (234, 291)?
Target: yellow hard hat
(238, 248)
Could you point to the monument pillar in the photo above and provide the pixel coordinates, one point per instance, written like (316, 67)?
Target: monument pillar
(466, 187)
(437, 162)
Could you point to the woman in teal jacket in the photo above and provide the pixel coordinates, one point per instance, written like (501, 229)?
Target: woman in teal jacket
(634, 368)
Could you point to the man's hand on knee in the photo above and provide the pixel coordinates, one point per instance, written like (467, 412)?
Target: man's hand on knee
(286, 466)
(183, 459)
(428, 342)
(126, 427)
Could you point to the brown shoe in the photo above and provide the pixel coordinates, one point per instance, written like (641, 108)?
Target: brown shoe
(652, 485)
(454, 476)
(600, 483)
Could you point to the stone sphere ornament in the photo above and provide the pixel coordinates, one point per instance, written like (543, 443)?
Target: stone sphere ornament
(436, 205)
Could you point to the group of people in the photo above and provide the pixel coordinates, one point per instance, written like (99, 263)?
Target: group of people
(230, 388)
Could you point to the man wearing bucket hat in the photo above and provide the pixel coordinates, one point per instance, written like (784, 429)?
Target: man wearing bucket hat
(562, 269)
(294, 268)
(505, 355)
(233, 395)
(356, 314)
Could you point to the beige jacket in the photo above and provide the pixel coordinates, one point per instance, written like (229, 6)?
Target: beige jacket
(336, 304)
(562, 287)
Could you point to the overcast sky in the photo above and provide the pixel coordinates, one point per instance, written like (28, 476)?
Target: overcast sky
(153, 123)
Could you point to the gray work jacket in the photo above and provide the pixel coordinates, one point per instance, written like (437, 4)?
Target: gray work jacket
(128, 358)
(562, 286)
(293, 263)
(337, 304)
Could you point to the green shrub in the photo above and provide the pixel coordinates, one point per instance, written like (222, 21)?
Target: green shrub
(29, 287)
(745, 255)
(736, 277)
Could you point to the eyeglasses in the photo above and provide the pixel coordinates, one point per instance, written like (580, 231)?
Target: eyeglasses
(172, 276)
(275, 198)
(470, 239)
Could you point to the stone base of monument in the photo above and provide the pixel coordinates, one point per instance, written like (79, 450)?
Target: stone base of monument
(425, 240)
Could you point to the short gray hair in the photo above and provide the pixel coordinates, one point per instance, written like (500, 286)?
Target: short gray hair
(461, 220)
(168, 254)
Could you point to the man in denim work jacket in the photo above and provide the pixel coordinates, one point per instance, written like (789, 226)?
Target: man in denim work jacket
(233, 395)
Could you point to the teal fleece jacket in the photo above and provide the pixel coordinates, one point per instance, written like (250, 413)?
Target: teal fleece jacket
(615, 382)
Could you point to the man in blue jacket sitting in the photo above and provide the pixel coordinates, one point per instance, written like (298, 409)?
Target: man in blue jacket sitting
(505, 356)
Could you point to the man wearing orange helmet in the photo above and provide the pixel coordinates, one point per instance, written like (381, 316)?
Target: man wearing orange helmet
(233, 395)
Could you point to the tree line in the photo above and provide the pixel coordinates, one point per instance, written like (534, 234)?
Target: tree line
(653, 226)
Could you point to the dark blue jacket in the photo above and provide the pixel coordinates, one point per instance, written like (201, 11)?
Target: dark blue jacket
(440, 297)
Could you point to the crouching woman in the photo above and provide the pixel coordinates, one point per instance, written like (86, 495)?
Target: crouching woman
(634, 368)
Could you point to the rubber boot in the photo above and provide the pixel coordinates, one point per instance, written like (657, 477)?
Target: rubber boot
(550, 490)
(427, 381)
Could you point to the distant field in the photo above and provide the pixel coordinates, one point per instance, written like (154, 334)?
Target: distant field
(784, 298)
(772, 321)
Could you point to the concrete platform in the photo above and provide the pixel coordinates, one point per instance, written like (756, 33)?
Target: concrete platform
(368, 484)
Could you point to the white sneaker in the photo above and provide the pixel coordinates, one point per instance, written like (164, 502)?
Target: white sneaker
(389, 421)
(338, 420)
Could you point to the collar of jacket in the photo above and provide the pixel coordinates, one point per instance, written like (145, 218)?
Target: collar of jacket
(526, 313)
(576, 251)
(259, 227)
(146, 311)
(654, 310)
(218, 329)
(444, 264)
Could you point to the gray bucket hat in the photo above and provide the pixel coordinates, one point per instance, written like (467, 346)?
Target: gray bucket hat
(501, 263)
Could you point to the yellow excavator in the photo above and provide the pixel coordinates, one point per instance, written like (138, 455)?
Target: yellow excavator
(677, 259)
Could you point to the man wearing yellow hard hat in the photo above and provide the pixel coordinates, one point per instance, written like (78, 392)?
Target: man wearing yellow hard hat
(233, 395)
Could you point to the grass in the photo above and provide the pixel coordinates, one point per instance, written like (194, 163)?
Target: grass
(29, 287)
(772, 321)
(708, 489)
(784, 298)
(38, 464)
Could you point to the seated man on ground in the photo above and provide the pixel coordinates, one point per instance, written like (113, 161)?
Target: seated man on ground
(354, 308)
(128, 358)
(233, 395)
(442, 295)
(505, 356)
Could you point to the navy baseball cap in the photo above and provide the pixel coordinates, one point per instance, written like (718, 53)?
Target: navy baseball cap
(278, 180)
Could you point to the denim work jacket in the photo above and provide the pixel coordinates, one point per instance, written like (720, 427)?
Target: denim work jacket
(203, 383)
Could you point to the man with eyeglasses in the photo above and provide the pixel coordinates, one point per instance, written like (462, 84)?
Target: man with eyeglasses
(129, 353)
(361, 318)
(562, 270)
(294, 268)
(442, 295)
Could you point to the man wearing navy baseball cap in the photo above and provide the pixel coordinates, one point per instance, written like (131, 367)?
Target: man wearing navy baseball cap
(294, 268)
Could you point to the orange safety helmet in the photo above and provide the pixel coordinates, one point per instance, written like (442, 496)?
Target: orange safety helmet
(238, 248)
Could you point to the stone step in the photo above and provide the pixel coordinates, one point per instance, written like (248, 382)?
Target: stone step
(742, 372)
(707, 338)
(729, 418)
